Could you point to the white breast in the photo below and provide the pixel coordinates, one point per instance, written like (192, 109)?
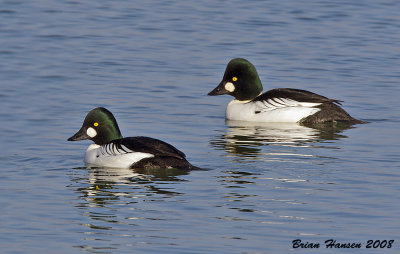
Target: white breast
(278, 110)
(101, 156)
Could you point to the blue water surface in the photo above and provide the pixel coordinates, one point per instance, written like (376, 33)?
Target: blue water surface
(152, 63)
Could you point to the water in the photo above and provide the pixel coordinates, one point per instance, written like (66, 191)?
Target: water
(152, 65)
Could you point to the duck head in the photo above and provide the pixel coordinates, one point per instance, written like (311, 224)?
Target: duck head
(240, 80)
(99, 126)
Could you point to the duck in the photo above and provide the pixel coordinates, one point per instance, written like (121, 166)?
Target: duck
(110, 149)
(285, 105)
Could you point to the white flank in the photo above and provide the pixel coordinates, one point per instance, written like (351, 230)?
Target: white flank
(276, 110)
(230, 87)
(91, 132)
(109, 156)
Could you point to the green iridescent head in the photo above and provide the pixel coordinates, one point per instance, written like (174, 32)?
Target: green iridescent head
(240, 80)
(99, 126)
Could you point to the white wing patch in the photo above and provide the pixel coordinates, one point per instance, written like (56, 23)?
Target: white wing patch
(112, 156)
(113, 150)
(275, 103)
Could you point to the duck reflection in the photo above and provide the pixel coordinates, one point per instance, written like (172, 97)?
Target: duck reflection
(126, 175)
(249, 138)
(114, 198)
(109, 185)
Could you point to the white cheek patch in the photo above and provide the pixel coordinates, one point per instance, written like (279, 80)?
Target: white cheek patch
(230, 87)
(91, 132)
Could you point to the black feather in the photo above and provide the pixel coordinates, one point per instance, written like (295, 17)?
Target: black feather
(295, 94)
(148, 145)
(165, 155)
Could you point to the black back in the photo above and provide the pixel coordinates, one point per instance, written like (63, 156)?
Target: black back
(149, 145)
(295, 94)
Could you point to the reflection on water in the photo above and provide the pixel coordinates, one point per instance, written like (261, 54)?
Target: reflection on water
(107, 187)
(115, 199)
(105, 183)
(126, 175)
(249, 139)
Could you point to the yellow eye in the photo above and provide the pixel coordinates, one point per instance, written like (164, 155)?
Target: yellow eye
(234, 79)
(96, 124)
